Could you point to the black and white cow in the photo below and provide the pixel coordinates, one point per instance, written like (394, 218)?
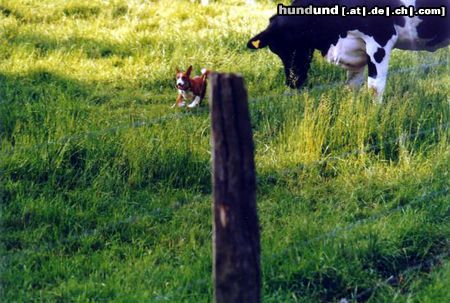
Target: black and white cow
(352, 42)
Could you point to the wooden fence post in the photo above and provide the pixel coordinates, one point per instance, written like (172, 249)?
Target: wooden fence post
(236, 246)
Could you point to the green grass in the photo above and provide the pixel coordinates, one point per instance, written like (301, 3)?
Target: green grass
(96, 206)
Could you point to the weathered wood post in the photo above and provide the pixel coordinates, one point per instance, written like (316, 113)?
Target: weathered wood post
(236, 247)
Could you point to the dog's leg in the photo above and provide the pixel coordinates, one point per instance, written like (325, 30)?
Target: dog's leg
(179, 102)
(203, 92)
(195, 103)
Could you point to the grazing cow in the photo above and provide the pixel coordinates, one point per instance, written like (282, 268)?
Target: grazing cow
(352, 42)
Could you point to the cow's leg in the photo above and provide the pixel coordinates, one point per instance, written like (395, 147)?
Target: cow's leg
(378, 62)
(355, 78)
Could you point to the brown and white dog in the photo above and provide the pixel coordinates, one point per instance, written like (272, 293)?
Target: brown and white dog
(190, 88)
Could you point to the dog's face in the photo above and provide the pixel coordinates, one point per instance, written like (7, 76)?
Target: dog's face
(183, 78)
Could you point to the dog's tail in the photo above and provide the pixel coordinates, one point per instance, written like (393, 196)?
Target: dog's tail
(205, 73)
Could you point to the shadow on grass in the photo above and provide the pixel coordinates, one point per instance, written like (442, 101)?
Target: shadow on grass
(93, 48)
(103, 162)
(29, 99)
(70, 10)
(358, 271)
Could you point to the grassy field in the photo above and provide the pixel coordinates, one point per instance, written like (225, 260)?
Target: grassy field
(105, 191)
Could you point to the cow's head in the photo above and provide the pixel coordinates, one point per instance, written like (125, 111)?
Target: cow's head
(288, 39)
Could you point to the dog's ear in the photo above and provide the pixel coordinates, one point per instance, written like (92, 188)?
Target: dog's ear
(178, 71)
(189, 70)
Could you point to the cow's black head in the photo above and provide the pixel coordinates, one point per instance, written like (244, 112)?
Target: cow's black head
(288, 39)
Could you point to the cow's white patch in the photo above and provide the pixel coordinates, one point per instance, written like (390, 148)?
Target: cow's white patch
(408, 37)
(409, 2)
(349, 52)
(378, 83)
(195, 103)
